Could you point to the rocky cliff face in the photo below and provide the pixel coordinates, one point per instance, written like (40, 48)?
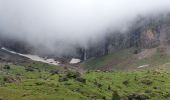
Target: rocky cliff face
(145, 33)
(152, 35)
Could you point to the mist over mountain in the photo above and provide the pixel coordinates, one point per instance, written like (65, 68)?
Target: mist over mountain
(84, 49)
(65, 27)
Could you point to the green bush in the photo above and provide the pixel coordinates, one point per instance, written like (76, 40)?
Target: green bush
(7, 67)
(73, 75)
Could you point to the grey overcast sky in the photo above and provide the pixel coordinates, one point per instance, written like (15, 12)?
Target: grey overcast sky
(65, 22)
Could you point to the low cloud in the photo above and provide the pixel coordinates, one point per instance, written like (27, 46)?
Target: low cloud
(59, 25)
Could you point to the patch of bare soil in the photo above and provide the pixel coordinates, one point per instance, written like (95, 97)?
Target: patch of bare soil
(163, 68)
(146, 53)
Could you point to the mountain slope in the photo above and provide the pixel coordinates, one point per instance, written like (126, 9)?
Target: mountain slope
(128, 59)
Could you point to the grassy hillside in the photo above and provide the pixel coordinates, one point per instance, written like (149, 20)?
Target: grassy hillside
(48, 83)
(126, 60)
(39, 81)
(115, 59)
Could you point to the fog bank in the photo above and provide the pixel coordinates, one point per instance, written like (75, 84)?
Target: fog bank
(58, 26)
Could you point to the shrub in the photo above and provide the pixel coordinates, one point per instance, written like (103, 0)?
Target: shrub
(104, 97)
(39, 83)
(82, 80)
(147, 82)
(126, 82)
(7, 67)
(115, 96)
(138, 97)
(29, 69)
(53, 72)
(1, 98)
(73, 75)
(109, 87)
(62, 79)
(98, 84)
(136, 51)
(10, 79)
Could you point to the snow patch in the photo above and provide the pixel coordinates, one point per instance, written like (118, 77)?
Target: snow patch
(143, 66)
(74, 61)
(8, 50)
(34, 57)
